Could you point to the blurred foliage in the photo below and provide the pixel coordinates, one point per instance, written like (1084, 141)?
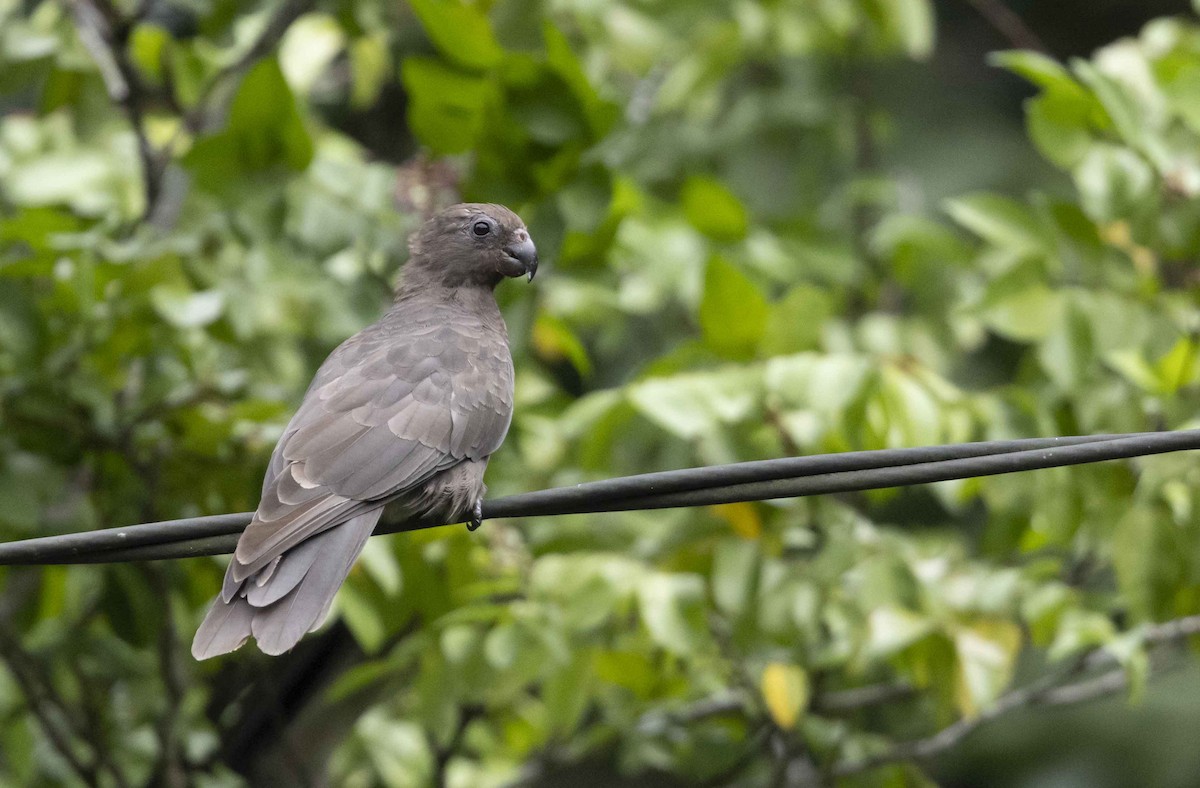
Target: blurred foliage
(735, 273)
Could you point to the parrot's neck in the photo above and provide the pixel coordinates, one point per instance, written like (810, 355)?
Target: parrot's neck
(422, 273)
(417, 287)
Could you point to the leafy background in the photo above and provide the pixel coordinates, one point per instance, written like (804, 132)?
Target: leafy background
(771, 228)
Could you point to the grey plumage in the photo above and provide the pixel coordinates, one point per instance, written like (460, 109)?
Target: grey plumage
(405, 413)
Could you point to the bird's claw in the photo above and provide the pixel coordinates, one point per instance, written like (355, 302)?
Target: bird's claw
(476, 516)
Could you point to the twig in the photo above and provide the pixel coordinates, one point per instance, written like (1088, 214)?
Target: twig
(858, 698)
(213, 106)
(1048, 691)
(103, 34)
(951, 735)
(39, 705)
(1009, 24)
(443, 754)
(94, 702)
(170, 770)
(833, 702)
(45, 706)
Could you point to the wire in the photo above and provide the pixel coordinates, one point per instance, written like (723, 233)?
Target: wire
(746, 481)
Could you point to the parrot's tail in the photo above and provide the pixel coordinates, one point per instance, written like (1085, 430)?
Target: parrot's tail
(288, 597)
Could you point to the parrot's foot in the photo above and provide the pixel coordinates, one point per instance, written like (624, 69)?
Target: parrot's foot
(476, 515)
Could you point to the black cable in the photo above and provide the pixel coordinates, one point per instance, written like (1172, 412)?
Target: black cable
(746, 481)
(86, 545)
(593, 496)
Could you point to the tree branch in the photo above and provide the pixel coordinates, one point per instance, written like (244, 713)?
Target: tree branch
(170, 769)
(863, 697)
(103, 34)
(212, 108)
(44, 706)
(1009, 24)
(1054, 690)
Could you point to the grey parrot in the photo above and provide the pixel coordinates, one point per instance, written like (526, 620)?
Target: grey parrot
(405, 413)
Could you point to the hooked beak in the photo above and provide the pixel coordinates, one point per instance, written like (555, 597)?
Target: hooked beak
(525, 253)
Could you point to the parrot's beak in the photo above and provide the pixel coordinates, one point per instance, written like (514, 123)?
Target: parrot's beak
(524, 253)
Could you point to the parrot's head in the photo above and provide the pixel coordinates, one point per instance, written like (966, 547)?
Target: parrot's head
(472, 244)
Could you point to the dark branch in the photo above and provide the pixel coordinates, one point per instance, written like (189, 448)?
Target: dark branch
(856, 698)
(212, 108)
(103, 33)
(1009, 24)
(1054, 690)
(42, 706)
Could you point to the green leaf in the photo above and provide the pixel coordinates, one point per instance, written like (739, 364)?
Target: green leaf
(1069, 350)
(824, 383)
(146, 45)
(1024, 315)
(129, 608)
(672, 608)
(1042, 608)
(735, 575)
(310, 46)
(264, 133)
(913, 23)
(1114, 182)
(987, 651)
(1134, 367)
(1130, 119)
(459, 642)
(501, 646)
(362, 618)
(1129, 649)
(585, 201)
(892, 629)
(912, 414)
(446, 108)
(733, 313)
(1080, 630)
(1183, 91)
(460, 30)
(1058, 125)
(567, 693)
(379, 561)
(183, 308)
(555, 342)
(601, 114)
(692, 405)
(1148, 556)
(370, 64)
(1043, 71)
(999, 220)
(712, 209)
(1178, 368)
(796, 321)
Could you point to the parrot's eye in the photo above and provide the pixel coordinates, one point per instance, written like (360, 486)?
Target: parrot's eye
(481, 229)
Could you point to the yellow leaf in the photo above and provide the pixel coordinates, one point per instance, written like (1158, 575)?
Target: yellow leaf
(785, 691)
(743, 518)
(1117, 234)
(987, 651)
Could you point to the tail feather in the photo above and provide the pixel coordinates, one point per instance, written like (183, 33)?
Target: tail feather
(294, 599)
(260, 591)
(225, 628)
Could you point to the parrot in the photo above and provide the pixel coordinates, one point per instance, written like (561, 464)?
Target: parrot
(404, 414)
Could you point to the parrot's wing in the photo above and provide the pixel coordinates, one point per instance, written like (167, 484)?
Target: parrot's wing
(391, 407)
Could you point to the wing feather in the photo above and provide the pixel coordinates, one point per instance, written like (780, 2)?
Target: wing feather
(427, 388)
(403, 400)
